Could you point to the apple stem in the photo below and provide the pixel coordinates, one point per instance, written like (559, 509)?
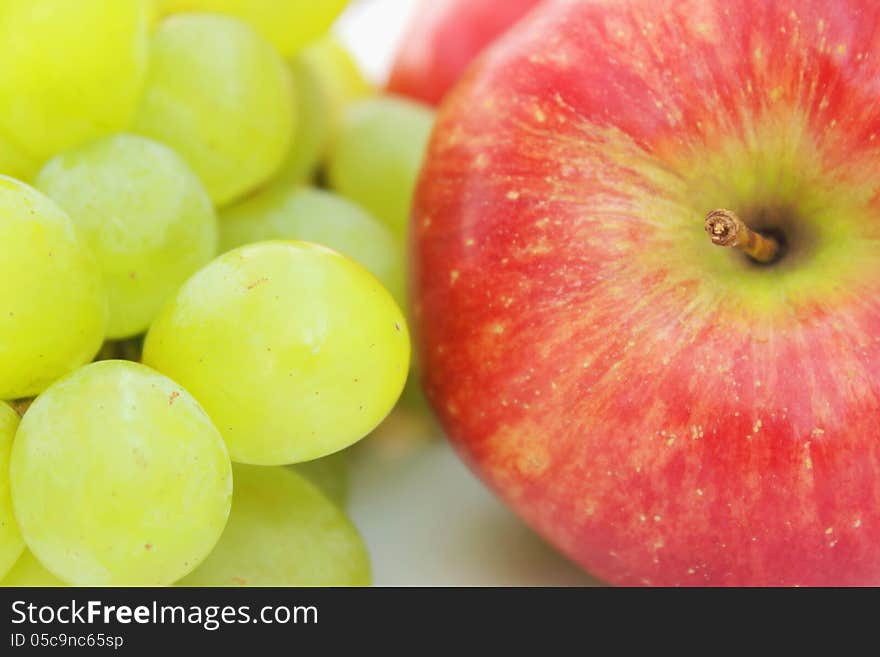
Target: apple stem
(725, 228)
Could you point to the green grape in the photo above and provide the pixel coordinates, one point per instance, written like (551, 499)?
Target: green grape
(53, 309)
(329, 474)
(294, 350)
(72, 71)
(119, 478)
(11, 543)
(326, 79)
(283, 532)
(28, 572)
(288, 24)
(13, 163)
(376, 157)
(219, 95)
(145, 215)
(314, 215)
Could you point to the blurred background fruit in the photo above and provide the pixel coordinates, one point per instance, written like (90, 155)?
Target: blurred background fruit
(326, 79)
(288, 24)
(376, 156)
(443, 38)
(222, 97)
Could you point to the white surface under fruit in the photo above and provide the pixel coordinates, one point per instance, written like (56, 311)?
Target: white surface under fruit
(428, 521)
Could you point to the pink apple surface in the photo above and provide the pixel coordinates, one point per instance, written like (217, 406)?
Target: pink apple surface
(443, 38)
(664, 410)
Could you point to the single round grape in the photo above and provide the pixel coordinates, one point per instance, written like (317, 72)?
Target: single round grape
(294, 350)
(376, 157)
(326, 79)
(219, 95)
(72, 71)
(11, 543)
(288, 24)
(28, 572)
(146, 217)
(314, 215)
(329, 474)
(119, 478)
(283, 532)
(53, 309)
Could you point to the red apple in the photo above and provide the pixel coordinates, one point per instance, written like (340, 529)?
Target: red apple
(665, 410)
(443, 38)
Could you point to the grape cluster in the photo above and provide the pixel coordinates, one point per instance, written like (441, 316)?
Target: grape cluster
(202, 211)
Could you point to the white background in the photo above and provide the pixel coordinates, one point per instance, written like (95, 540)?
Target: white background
(426, 519)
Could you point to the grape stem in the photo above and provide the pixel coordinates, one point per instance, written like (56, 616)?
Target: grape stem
(129, 349)
(21, 406)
